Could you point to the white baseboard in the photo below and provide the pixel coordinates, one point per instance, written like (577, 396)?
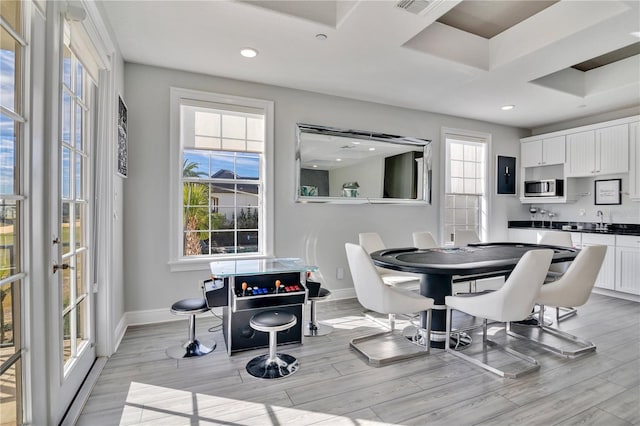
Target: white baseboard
(343, 293)
(617, 294)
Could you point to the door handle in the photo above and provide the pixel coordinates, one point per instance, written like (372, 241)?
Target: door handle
(63, 266)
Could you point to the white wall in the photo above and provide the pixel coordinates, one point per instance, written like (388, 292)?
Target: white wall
(315, 232)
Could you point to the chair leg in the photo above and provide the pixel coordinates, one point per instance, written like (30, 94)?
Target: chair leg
(378, 361)
(585, 346)
(486, 341)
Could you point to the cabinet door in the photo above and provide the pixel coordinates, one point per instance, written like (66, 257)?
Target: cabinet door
(531, 153)
(581, 154)
(606, 277)
(523, 235)
(612, 149)
(634, 159)
(628, 264)
(553, 150)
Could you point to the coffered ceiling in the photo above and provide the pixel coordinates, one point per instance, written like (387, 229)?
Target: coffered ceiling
(464, 58)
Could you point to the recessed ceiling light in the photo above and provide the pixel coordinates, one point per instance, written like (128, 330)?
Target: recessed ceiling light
(321, 36)
(338, 159)
(315, 166)
(507, 107)
(249, 52)
(372, 149)
(635, 34)
(356, 143)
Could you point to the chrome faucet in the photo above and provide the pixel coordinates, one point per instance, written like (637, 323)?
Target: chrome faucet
(601, 226)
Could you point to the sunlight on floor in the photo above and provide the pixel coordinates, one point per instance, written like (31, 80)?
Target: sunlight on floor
(148, 403)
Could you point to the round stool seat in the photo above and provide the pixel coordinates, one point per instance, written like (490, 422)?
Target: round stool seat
(189, 306)
(192, 347)
(272, 365)
(323, 293)
(273, 321)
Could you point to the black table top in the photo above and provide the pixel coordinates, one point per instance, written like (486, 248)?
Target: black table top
(470, 260)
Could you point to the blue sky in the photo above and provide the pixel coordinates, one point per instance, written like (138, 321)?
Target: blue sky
(247, 165)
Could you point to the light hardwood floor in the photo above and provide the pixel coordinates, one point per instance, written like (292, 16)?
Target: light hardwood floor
(334, 386)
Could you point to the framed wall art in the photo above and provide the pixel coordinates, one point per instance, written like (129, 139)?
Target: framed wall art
(123, 142)
(607, 192)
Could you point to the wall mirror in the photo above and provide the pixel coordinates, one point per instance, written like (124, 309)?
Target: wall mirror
(352, 166)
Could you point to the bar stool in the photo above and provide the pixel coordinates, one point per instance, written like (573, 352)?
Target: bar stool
(192, 347)
(314, 327)
(273, 365)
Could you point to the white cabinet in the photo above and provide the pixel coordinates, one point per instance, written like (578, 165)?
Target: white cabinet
(628, 264)
(598, 152)
(607, 274)
(543, 152)
(634, 161)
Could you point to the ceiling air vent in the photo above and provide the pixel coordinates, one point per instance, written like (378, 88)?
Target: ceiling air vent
(413, 6)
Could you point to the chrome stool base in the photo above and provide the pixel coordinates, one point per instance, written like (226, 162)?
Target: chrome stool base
(317, 329)
(282, 366)
(189, 350)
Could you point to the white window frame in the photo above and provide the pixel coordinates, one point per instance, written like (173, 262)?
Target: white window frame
(473, 136)
(178, 262)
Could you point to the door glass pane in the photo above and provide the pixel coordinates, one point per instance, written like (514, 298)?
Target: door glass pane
(10, 389)
(66, 285)
(66, 228)
(8, 238)
(10, 70)
(80, 284)
(78, 136)
(79, 80)
(66, 67)
(66, 173)
(7, 316)
(78, 176)
(81, 323)
(66, 117)
(78, 223)
(66, 336)
(8, 130)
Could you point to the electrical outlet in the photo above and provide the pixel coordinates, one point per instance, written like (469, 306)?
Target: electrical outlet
(340, 273)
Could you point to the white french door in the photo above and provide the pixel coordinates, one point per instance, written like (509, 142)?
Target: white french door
(73, 327)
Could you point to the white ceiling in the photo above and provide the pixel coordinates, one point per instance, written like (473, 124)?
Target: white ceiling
(378, 52)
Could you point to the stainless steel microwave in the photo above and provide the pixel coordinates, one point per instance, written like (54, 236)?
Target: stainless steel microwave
(544, 188)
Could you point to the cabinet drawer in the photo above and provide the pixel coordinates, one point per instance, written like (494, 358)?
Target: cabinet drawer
(608, 240)
(628, 241)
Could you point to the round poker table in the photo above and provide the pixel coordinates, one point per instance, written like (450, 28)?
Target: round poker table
(440, 267)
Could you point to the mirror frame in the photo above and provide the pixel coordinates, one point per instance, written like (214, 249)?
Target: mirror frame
(366, 135)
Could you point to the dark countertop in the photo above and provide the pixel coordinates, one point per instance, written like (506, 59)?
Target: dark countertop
(587, 227)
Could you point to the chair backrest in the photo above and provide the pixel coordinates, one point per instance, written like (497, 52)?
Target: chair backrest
(371, 291)
(371, 242)
(424, 240)
(518, 294)
(557, 238)
(462, 237)
(574, 287)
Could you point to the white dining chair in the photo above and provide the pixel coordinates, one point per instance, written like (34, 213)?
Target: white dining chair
(423, 240)
(556, 270)
(371, 241)
(373, 294)
(512, 302)
(572, 289)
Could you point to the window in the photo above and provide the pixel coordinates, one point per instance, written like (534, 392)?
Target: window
(12, 144)
(465, 184)
(223, 148)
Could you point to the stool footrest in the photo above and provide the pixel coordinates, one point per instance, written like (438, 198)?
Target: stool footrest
(283, 365)
(190, 350)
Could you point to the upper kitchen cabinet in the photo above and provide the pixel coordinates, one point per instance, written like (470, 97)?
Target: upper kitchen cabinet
(543, 152)
(634, 161)
(598, 152)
